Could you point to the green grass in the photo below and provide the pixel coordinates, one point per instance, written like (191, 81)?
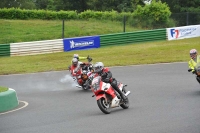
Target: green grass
(133, 54)
(13, 31)
(3, 89)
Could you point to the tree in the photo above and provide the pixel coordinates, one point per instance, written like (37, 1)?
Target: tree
(154, 14)
(41, 4)
(177, 6)
(117, 5)
(23, 4)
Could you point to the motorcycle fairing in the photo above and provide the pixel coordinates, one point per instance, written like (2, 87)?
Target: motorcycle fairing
(115, 102)
(100, 95)
(108, 89)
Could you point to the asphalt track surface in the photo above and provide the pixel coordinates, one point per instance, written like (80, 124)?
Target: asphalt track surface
(164, 98)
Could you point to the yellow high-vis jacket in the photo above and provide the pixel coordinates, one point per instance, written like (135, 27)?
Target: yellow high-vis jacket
(192, 64)
(81, 58)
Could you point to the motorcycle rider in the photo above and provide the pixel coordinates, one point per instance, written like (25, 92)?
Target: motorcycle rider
(76, 71)
(82, 58)
(195, 59)
(106, 76)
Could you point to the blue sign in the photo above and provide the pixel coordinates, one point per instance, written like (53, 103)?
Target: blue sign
(81, 43)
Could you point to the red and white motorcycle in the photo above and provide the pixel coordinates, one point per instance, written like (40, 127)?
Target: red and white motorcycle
(85, 74)
(107, 97)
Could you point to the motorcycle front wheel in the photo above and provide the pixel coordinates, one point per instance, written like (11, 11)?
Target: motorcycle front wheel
(104, 106)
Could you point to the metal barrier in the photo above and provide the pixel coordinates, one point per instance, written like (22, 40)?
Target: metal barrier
(37, 47)
(52, 46)
(4, 50)
(133, 37)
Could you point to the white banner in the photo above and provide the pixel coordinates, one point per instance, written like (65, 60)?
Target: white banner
(183, 32)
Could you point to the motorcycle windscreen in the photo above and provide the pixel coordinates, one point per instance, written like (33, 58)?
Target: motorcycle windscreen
(96, 83)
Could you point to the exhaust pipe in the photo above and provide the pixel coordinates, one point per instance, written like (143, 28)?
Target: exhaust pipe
(127, 93)
(78, 86)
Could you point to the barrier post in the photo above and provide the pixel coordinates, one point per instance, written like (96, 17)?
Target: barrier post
(63, 28)
(124, 23)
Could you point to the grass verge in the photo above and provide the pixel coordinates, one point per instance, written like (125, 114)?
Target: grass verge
(3, 89)
(122, 55)
(13, 31)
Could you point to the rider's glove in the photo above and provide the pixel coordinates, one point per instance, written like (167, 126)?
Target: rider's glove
(194, 71)
(89, 59)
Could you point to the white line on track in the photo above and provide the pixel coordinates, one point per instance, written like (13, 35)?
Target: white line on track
(25, 104)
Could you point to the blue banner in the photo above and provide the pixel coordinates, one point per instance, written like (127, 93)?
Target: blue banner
(80, 43)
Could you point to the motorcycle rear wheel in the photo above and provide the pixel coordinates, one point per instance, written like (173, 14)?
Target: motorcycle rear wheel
(104, 106)
(125, 105)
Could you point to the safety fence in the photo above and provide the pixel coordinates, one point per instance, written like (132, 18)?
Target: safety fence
(52, 46)
(133, 37)
(4, 50)
(36, 47)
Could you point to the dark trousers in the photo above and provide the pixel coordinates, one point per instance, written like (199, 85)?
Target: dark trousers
(114, 85)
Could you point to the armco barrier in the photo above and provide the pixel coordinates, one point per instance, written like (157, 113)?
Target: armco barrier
(133, 37)
(4, 50)
(36, 47)
(52, 46)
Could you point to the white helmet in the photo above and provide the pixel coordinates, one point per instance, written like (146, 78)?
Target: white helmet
(98, 67)
(193, 53)
(76, 56)
(74, 61)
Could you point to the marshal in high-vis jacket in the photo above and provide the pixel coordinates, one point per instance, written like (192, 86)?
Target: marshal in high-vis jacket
(192, 63)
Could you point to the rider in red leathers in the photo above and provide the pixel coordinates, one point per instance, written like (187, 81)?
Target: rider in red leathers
(76, 70)
(79, 58)
(106, 77)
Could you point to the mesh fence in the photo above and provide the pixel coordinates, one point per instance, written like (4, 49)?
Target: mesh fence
(187, 18)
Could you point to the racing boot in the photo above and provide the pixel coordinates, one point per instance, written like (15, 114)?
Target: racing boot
(114, 85)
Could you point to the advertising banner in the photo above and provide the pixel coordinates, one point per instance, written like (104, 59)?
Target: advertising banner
(81, 43)
(183, 32)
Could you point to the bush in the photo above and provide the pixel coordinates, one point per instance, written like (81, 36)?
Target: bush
(156, 14)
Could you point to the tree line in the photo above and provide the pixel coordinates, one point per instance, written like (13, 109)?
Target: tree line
(176, 6)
